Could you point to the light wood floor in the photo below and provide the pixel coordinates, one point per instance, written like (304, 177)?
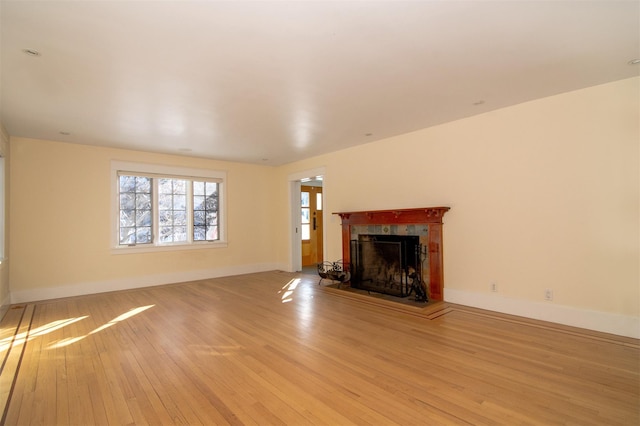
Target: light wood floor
(276, 348)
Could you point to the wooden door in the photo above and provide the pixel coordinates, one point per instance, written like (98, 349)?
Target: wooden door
(311, 211)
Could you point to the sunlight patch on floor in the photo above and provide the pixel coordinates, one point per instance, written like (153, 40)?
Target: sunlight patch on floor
(26, 336)
(126, 315)
(288, 289)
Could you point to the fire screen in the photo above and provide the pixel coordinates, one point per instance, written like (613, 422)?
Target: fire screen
(388, 264)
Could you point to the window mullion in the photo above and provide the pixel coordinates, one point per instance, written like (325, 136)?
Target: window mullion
(189, 213)
(155, 210)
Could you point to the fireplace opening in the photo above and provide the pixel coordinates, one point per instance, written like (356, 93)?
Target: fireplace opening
(388, 264)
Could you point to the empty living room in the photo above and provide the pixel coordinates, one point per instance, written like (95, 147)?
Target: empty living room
(310, 212)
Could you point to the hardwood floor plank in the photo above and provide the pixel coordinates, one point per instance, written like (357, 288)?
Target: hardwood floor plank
(149, 401)
(12, 332)
(8, 331)
(276, 348)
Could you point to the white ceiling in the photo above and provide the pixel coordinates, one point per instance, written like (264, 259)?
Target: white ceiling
(271, 82)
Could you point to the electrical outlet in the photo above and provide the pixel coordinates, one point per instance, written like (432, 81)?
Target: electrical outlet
(494, 287)
(548, 294)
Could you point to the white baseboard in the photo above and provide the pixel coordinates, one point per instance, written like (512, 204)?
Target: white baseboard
(605, 322)
(24, 296)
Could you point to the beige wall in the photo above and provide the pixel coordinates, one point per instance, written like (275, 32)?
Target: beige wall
(61, 205)
(543, 195)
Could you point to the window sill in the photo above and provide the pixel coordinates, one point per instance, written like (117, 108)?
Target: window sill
(150, 248)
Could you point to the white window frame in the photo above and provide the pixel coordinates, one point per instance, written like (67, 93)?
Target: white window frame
(134, 168)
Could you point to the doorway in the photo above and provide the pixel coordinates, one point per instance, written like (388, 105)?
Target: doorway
(311, 222)
(314, 178)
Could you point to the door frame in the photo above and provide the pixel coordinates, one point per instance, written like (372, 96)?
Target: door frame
(295, 238)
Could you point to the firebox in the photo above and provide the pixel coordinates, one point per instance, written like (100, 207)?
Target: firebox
(389, 264)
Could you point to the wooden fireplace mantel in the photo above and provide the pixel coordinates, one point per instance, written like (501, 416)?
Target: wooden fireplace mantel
(397, 216)
(429, 216)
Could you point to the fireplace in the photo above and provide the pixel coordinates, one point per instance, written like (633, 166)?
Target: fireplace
(389, 264)
(369, 235)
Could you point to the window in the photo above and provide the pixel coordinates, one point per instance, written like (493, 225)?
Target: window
(172, 209)
(161, 206)
(135, 210)
(205, 211)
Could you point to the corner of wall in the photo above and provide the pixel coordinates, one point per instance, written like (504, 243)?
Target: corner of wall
(4, 305)
(5, 293)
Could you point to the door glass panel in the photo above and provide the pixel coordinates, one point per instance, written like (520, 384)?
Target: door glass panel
(306, 228)
(305, 215)
(319, 201)
(306, 231)
(304, 211)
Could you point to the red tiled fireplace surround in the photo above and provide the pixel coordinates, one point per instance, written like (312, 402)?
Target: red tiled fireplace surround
(425, 222)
